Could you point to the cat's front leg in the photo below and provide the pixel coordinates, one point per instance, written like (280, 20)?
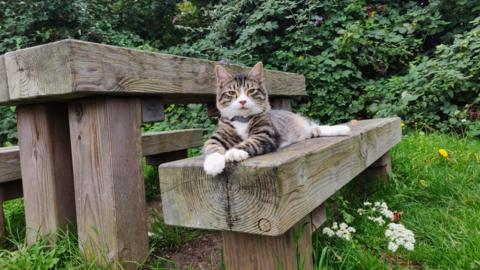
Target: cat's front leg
(214, 163)
(235, 154)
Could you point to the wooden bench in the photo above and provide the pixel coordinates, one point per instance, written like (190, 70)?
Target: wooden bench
(80, 106)
(157, 147)
(262, 204)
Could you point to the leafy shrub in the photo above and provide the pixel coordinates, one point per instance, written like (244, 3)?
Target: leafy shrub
(438, 92)
(8, 126)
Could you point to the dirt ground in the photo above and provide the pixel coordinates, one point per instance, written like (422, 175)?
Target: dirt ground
(201, 253)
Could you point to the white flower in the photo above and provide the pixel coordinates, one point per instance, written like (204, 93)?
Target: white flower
(361, 211)
(328, 232)
(367, 203)
(392, 246)
(341, 231)
(150, 234)
(378, 220)
(399, 236)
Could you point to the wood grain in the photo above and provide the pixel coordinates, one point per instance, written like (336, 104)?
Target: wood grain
(152, 110)
(109, 188)
(168, 141)
(46, 168)
(290, 251)
(268, 194)
(69, 68)
(4, 96)
(9, 164)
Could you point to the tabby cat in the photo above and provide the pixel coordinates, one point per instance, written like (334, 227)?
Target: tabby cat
(248, 127)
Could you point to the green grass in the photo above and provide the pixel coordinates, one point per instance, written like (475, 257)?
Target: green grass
(443, 211)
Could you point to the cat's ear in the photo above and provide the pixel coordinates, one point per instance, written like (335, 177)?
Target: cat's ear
(257, 72)
(222, 75)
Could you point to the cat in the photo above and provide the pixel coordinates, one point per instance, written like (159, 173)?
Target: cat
(248, 126)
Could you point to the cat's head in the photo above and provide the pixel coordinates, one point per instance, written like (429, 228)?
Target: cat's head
(241, 94)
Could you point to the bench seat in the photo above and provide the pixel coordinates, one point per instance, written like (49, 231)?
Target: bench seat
(269, 194)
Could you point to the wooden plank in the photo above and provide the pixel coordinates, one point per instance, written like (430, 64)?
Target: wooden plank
(164, 143)
(152, 110)
(168, 141)
(12, 190)
(69, 68)
(277, 189)
(158, 159)
(109, 188)
(46, 167)
(290, 251)
(4, 96)
(9, 164)
(280, 104)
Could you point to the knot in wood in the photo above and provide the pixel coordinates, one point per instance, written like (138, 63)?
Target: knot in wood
(264, 225)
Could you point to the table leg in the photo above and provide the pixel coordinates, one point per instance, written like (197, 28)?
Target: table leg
(46, 166)
(109, 189)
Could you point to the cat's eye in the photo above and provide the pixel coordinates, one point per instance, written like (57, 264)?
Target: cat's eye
(231, 93)
(252, 91)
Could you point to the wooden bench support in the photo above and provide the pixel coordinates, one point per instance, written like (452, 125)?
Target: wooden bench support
(379, 169)
(110, 196)
(46, 168)
(292, 250)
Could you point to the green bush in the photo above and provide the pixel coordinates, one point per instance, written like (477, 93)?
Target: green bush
(345, 49)
(438, 92)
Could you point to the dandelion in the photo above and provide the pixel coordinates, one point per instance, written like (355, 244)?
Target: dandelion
(422, 182)
(402, 124)
(301, 57)
(442, 152)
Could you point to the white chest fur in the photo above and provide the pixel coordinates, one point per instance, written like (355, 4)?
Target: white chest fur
(241, 129)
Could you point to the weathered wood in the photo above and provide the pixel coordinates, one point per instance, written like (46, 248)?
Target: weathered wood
(168, 141)
(4, 96)
(380, 168)
(268, 194)
(158, 159)
(46, 168)
(12, 190)
(280, 104)
(9, 164)
(318, 217)
(290, 251)
(109, 188)
(153, 143)
(71, 68)
(152, 110)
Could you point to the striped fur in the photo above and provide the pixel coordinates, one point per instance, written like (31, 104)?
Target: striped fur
(243, 103)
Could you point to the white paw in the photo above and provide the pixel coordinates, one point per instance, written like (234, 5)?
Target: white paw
(214, 164)
(235, 154)
(340, 130)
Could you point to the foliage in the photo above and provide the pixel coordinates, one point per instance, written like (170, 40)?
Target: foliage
(438, 91)
(342, 47)
(438, 197)
(8, 126)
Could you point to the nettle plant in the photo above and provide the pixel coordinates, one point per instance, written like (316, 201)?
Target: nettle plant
(378, 213)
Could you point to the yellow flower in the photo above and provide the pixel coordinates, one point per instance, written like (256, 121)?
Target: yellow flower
(301, 57)
(422, 182)
(402, 124)
(442, 152)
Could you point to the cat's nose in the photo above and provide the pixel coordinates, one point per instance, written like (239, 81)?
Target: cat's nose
(242, 102)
